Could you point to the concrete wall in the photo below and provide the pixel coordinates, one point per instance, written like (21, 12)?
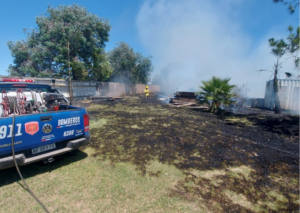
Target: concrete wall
(82, 89)
(268, 94)
(288, 92)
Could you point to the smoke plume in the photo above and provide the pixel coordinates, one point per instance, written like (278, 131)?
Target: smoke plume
(193, 40)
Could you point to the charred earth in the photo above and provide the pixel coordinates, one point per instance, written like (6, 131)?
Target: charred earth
(231, 162)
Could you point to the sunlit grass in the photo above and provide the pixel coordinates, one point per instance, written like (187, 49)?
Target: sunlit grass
(98, 123)
(239, 120)
(91, 185)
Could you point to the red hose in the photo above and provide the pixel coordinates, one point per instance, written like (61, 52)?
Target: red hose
(21, 101)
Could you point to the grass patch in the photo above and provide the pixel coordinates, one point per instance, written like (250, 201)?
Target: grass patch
(240, 199)
(98, 124)
(93, 185)
(135, 127)
(238, 121)
(95, 107)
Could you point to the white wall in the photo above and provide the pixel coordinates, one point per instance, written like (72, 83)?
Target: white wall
(288, 92)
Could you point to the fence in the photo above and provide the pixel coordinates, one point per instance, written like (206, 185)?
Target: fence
(288, 93)
(83, 89)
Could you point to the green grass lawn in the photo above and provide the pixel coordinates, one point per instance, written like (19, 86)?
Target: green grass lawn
(81, 183)
(150, 158)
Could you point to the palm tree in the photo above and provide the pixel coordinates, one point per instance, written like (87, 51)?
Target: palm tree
(218, 91)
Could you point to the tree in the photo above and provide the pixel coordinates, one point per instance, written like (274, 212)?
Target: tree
(241, 95)
(293, 4)
(293, 44)
(290, 46)
(218, 91)
(129, 66)
(293, 38)
(45, 51)
(279, 49)
(282, 47)
(101, 71)
(26, 60)
(143, 69)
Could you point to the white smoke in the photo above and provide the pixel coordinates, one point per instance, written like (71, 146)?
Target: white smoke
(193, 40)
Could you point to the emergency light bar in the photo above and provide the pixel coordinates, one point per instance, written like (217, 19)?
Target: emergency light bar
(16, 80)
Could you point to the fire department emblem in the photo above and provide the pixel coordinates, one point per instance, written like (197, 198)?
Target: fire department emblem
(32, 127)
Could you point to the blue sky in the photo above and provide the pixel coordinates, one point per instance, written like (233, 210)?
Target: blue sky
(191, 32)
(17, 14)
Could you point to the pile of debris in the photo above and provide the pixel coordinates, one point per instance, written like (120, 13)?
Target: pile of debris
(186, 95)
(183, 99)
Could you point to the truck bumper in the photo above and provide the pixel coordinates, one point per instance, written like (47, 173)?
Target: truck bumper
(8, 162)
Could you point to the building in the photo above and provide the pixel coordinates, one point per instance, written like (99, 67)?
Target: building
(288, 92)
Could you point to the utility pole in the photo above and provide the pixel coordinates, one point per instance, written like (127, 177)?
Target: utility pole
(70, 82)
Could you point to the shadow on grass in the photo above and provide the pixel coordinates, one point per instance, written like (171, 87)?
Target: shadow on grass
(224, 172)
(10, 175)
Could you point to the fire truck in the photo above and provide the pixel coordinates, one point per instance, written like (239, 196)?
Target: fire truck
(37, 122)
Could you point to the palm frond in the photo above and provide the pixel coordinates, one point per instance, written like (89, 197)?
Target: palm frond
(218, 90)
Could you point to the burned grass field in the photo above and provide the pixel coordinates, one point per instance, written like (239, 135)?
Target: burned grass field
(230, 163)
